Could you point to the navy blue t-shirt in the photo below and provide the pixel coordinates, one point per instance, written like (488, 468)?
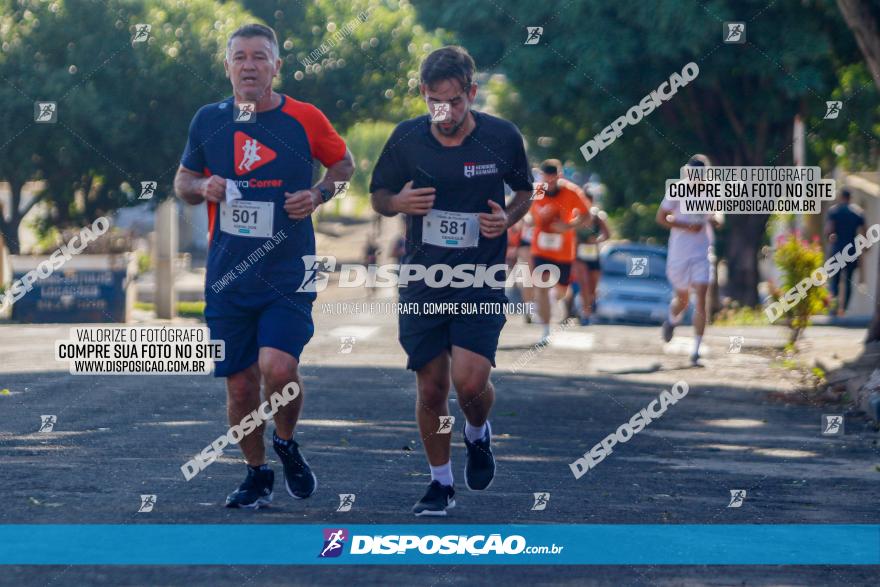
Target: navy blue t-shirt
(465, 177)
(265, 158)
(847, 220)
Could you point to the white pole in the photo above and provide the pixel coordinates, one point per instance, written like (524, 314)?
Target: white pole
(166, 252)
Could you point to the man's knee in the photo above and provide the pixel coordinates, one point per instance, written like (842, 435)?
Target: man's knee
(433, 392)
(243, 389)
(279, 372)
(470, 388)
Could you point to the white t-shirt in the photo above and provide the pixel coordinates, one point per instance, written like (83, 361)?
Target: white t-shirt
(684, 244)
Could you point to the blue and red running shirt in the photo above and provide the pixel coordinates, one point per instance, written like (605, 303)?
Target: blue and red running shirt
(265, 158)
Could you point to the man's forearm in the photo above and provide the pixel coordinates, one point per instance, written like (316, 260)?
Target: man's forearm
(188, 188)
(518, 207)
(381, 200)
(340, 171)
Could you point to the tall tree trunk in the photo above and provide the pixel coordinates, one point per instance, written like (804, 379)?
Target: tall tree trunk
(860, 18)
(861, 21)
(874, 328)
(745, 233)
(9, 228)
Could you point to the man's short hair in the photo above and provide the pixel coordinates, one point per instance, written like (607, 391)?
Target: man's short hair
(551, 166)
(251, 30)
(845, 194)
(699, 160)
(451, 62)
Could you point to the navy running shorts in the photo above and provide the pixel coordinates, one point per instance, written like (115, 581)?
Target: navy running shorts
(248, 321)
(424, 337)
(564, 268)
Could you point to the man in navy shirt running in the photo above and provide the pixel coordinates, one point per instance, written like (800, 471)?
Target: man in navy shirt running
(844, 221)
(446, 172)
(251, 158)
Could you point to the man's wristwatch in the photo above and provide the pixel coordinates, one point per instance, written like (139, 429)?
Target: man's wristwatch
(325, 194)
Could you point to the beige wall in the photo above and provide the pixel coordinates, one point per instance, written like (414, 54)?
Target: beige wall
(865, 188)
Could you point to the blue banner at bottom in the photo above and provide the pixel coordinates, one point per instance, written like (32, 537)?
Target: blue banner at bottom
(246, 544)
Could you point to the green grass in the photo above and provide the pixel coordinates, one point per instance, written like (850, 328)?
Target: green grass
(184, 309)
(741, 317)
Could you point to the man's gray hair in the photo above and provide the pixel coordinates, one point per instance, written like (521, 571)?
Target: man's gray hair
(254, 30)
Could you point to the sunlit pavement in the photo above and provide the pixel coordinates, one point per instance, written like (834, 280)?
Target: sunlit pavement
(118, 437)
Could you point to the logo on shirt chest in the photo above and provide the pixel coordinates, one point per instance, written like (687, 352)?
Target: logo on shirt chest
(478, 169)
(250, 154)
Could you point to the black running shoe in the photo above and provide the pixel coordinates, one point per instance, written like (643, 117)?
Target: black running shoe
(298, 477)
(255, 492)
(479, 471)
(668, 327)
(437, 500)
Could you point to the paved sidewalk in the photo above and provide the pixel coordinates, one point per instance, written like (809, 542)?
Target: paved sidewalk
(121, 436)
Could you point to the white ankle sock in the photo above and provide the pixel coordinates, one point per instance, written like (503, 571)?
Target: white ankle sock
(443, 474)
(475, 433)
(697, 340)
(545, 331)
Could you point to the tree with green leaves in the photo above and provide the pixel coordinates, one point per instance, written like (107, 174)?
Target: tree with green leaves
(596, 59)
(122, 107)
(863, 18)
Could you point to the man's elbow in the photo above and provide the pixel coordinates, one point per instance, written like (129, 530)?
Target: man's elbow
(381, 205)
(346, 164)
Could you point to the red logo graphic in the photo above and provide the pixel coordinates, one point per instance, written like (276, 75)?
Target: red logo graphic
(250, 154)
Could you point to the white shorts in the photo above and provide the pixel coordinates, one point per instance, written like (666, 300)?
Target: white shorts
(683, 273)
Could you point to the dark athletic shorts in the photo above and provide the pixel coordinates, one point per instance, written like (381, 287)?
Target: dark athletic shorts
(564, 268)
(592, 264)
(424, 337)
(249, 321)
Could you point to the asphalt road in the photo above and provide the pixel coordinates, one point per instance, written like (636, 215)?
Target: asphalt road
(118, 437)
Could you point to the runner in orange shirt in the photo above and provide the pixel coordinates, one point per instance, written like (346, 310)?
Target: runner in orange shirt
(562, 210)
